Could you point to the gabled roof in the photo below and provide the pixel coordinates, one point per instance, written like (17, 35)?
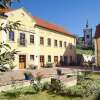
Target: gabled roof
(97, 32)
(47, 25)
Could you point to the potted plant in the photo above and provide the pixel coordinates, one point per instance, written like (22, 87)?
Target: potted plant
(28, 75)
(59, 71)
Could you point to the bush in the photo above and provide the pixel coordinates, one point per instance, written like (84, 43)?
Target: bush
(56, 86)
(4, 69)
(97, 96)
(39, 77)
(37, 87)
(84, 89)
(46, 86)
(12, 94)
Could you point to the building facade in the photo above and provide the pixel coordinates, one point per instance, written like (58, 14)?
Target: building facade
(97, 45)
(39, 42)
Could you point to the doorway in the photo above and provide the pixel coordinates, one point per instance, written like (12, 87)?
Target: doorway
(22, 61)
(42, 60)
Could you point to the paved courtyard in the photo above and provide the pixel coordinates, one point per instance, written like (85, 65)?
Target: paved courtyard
(6, 77)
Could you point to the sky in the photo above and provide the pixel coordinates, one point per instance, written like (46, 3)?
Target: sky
(71, 14)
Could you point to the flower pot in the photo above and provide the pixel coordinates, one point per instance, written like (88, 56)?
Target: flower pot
(28, 75)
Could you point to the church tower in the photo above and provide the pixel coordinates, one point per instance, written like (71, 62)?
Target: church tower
(87, 35)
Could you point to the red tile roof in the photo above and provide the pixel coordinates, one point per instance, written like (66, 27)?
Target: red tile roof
(45, 24)
(97, 32)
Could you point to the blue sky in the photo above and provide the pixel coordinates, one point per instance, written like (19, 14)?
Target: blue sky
(71, 14)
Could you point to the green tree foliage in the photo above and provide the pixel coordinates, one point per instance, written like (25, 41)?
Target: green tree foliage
(8, 3)
(10, 26)
(7, 56)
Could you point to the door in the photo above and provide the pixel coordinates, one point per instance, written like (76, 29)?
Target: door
(56, 60)
(22, 61)
(71, 60)
(65, 60)
(41, 61)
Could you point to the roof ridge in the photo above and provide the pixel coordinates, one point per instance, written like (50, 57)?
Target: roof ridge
(49, 25)
(48, 22)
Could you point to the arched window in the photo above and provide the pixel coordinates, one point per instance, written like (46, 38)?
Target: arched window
(11, 36)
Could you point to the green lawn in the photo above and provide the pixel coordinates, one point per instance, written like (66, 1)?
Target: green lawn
(44, 95)
(96, 77)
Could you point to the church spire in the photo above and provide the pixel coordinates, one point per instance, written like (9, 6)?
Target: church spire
(87, 24)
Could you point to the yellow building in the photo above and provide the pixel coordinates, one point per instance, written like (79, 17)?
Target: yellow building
(39, 41)
(97, 45)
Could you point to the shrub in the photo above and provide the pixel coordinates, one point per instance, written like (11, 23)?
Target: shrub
(97, 96)
(4, 69)
(12, 94)
(46, 86)
(56, 86)
(37, 87)
(87, 73)
(39, 76)
(12, 66)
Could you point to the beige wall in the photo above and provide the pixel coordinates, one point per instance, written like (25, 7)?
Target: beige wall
(27, 28)
(56, 51)
(97, 51)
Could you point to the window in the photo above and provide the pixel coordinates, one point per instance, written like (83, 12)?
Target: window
(60, 43)
(31, 57)
(11, 36)
(41, 41)
(49, 42)
(49, 58)
(32, 39)
(22, 39)
(65, 44)
(55, 43)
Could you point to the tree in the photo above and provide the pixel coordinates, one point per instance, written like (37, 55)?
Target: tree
(7, 56)
(7, 3)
